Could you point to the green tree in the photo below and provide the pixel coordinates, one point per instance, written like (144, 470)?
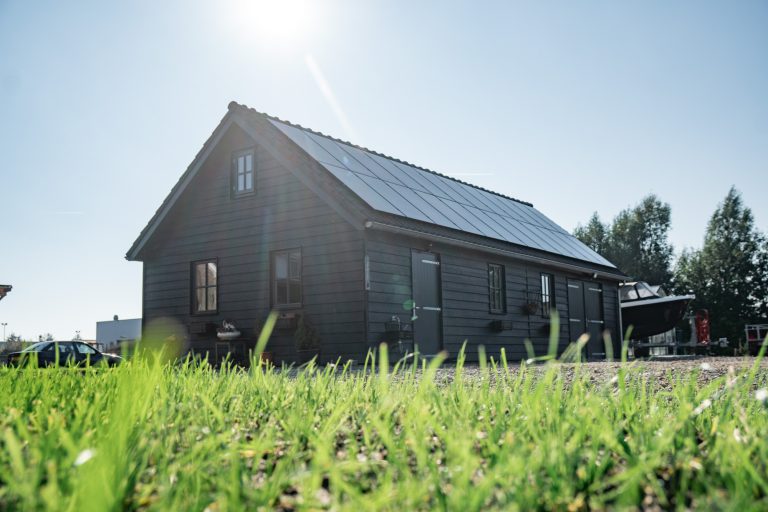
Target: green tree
(594, 235)
(637, 241)
(729, 275)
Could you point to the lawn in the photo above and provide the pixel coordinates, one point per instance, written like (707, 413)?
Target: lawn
(188, 437)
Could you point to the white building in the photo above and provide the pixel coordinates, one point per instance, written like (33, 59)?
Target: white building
(110, 333)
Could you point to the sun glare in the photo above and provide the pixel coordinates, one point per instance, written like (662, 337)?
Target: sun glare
(272, 21)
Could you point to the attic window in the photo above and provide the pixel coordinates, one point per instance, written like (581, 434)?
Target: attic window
(242, 172)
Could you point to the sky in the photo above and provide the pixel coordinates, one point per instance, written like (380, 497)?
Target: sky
(576, 107)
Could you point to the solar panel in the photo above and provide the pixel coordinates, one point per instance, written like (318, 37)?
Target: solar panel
(401, 189)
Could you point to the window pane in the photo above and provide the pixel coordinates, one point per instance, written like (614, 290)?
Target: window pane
(240, 182)
(281, 289)
(294, 269)
(200, 299)
(85, 349)
(211, 291)
(240, 165)
(199, 274)
(212, 274)
(496, 288)
(281, 266)
(248, 162)
(294, 291)
(249, 181)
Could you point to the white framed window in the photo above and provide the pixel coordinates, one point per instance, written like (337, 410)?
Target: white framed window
(243, 173)
(547, 294)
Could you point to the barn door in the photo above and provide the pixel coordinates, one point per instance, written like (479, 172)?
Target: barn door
(576, 308)
(427, 307)
(585, 314)
(593, 309)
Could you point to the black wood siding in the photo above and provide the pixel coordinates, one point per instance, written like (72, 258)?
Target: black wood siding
(241, 233)
(465, 299)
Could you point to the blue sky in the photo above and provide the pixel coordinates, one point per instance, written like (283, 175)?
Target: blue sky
(574, 106)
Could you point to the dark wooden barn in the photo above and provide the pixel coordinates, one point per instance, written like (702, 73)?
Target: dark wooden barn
(354, 248)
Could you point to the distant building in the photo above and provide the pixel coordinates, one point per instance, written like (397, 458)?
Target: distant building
(110, 333)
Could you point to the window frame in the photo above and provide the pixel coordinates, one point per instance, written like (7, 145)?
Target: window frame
(193, 287)
(549, 303)
(273, 283)
(234, 173)
(500, 291)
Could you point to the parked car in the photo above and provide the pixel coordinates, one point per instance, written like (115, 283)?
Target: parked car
(63, 353)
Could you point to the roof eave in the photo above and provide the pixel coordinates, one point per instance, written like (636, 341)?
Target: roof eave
(580, 266)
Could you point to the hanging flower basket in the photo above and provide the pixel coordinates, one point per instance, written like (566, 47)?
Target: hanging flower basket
(531, 308)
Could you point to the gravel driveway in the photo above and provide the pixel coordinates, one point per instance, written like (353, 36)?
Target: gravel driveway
(663, 371)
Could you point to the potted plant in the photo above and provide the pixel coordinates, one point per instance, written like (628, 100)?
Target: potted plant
(307, 340)
(267, 354)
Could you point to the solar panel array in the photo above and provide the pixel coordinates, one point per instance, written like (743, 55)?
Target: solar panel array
(401, 189)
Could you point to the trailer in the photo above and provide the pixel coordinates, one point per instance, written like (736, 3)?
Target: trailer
(755, 334)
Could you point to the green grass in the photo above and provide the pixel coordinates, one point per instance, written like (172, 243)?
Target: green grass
(188, 437)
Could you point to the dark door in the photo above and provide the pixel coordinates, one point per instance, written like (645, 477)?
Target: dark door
(427, 306)
(576, 308)
(593, 309)
(585, 314)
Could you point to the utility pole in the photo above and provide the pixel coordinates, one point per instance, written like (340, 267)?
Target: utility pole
(4, 324)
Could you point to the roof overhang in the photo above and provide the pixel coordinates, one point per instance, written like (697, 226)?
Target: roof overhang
(466, 244)
(5, 289)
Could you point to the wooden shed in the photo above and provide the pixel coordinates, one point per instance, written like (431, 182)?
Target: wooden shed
(358, 248)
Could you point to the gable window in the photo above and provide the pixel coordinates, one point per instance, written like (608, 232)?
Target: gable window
(496, 289)
(204, 287)
(242, 172)
(286, 278)
(547, 294)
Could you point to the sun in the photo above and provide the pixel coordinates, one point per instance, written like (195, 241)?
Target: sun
(272, 21)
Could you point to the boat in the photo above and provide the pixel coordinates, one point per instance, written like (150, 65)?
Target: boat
(649, 310)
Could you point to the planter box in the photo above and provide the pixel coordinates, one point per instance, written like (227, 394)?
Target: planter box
(501, 325)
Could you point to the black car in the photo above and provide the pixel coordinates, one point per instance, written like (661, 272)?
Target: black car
(63, 353)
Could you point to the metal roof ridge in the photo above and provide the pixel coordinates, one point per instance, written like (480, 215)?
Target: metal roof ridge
(233, 104)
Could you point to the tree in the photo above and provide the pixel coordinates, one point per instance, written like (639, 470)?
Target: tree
(595, 234)
(637, 241)
(729, 275)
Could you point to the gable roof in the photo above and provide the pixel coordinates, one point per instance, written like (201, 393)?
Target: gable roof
(396, 187)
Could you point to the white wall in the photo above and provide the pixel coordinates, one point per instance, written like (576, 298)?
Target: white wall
(111, 332)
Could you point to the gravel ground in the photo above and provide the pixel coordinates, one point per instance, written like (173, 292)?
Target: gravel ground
(662, 371)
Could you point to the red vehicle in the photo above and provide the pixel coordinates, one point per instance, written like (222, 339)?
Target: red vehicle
(755, 335)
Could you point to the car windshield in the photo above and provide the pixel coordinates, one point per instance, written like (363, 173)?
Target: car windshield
(37, 347)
